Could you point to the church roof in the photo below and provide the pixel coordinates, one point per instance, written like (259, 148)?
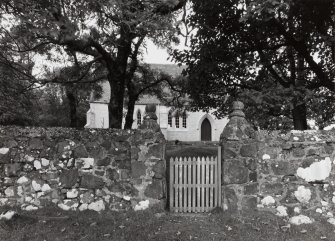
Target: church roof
(148, 99)
(171, 69)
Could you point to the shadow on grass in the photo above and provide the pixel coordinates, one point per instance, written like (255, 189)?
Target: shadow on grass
(54, 224)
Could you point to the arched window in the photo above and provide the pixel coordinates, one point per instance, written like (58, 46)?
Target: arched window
(170, 118)
(184, 120)
(177, 120)
(139, 118)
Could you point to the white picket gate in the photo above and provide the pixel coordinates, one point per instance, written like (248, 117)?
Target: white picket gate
(195, 183)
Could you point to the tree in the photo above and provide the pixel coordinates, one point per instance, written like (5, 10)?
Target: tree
(275, 55)
(108, 31)
(17, 99)
(77, 82)
(152, 82)
(53, 105)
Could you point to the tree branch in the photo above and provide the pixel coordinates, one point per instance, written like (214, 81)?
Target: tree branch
(302, 50)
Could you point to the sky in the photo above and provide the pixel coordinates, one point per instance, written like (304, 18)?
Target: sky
(155, 55)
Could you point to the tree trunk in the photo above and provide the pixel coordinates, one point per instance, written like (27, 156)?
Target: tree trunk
(117, 76)
(299, 114)
(130, 113)
(299, 111)
(115, 106)
(71, 97)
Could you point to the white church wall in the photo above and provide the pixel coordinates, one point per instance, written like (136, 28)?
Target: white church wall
(97, 116)
(192, 132)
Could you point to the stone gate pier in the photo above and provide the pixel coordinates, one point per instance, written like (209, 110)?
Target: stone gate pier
(289, 174)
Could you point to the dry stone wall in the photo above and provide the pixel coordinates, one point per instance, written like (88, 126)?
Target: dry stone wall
(94, 169)
(291, 174)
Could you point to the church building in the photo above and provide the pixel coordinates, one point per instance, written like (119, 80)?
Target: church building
(175, 124)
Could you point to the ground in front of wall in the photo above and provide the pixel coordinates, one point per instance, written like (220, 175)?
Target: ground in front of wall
(53, 224)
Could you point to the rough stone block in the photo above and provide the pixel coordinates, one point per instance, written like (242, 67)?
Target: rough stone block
(12, 170)
(63, 146)
(138, 169)
(229, 154)
(251, 189)
(87, 197)
(230, 199)
(85, 163)
(124, 174)
(68, 178)
(155, 189)
(123, 162)
(4, 155)
(113, 174)
(80, 152)
(11, 143)
(98, 153)
(10, 192)
(283, 168)
(106, 144)
(116, 187)
(36, 144)
(298, 152)
(104, 162)
(252, 176)
(232, 145)
(249, 150)
(306, 162)
(329, 149)
(251, 164)
(289, 178)
(264, 167)
(272, 189)
(50, 175)
(91, 181)
(99, 173)
(269, 152)
(249, 203)
(118, 148)
(159, 169)
(286, 146)
(134, 153)
(235, 172)
(155, 150)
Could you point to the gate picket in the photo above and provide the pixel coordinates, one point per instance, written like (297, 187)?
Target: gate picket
(194, 203)
(180, 188)
(198, 184)
(189, 184)
(211, 181)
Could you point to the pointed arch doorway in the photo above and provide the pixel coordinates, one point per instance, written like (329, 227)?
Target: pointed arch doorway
(206, 130)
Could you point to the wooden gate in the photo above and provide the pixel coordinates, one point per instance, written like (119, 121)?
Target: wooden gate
(195, 183)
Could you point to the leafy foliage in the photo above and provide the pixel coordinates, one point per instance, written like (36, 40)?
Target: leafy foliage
(16, 99)
(54, 109)
(276, 56)
(107, 34)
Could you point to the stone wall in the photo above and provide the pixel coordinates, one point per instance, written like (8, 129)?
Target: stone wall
(93, 169)
(290, 174)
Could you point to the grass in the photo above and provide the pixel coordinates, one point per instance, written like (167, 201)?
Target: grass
(52, 224)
